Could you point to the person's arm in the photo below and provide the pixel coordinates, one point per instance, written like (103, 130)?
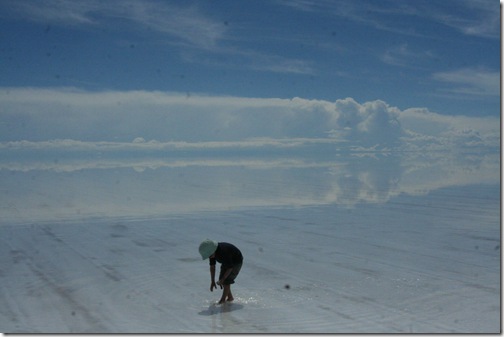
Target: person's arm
(212, 278)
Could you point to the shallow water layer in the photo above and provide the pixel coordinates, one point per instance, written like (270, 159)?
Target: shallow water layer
(350, 244)
(61, 187)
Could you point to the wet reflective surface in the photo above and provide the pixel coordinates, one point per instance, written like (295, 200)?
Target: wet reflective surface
(60, 185)
(350, 242)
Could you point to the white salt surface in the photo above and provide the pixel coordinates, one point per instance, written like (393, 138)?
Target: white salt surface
(350, 245)
(415, 264)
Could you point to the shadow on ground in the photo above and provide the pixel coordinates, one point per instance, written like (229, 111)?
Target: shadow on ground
(214, 309)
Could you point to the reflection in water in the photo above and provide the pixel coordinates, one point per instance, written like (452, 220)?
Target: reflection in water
(215, 309)
(150, 186)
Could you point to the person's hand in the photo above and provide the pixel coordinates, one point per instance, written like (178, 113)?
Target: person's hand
(220, 283)
(212, 286)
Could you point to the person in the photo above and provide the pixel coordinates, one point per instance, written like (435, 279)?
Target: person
(231, 260)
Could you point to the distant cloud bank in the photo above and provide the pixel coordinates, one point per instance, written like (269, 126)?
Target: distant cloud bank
(143, 119)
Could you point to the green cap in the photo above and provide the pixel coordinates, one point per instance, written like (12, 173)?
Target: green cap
(207, 248)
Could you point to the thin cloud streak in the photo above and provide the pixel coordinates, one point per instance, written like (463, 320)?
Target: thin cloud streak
(198, 38)
(187, 24)
(240, 58)
(404, 56)
(469, 81)
(483, 20)
(61, 12)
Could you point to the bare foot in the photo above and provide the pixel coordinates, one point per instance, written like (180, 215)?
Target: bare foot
(230, 298)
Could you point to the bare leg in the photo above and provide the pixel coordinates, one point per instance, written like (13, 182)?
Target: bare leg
(225, 293)
(230, 297)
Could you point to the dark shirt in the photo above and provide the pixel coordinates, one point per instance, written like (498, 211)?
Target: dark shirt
(227, 254)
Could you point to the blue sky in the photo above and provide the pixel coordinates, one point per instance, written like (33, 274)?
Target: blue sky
(439, 55)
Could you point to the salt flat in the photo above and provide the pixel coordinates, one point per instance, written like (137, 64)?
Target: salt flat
(414, 264)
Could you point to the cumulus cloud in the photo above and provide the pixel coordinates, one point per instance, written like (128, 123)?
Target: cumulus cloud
(154, 118)
(370, 123)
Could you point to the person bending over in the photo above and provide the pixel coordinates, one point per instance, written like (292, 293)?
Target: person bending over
(231, 261)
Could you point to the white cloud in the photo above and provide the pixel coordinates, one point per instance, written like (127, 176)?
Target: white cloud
(404, 56)
(278, 64)
(470, 81)
(37, 115)
(56, 11)
(369, 123)
(197, 36)
(185, 23)
(239, 58)
(122, 116)
(470, 17)
(478, 17)
(428, 129)
(70, 156)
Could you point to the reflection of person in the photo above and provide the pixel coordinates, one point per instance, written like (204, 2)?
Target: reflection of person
(231, 261)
